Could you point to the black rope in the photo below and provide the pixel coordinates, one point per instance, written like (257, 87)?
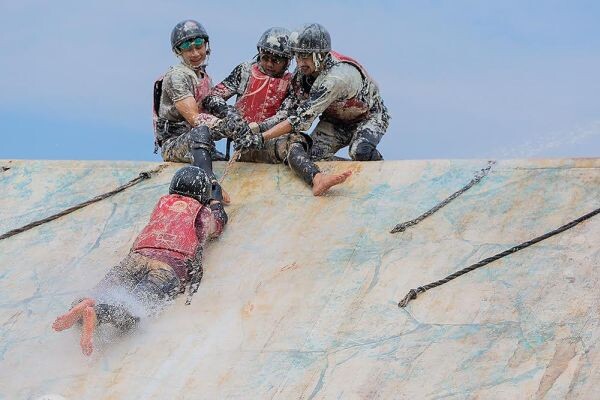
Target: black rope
(228, 150)
(141, 177)
(478, 177)
(412, 293)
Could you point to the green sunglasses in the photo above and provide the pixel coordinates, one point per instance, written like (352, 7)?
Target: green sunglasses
(198, 42)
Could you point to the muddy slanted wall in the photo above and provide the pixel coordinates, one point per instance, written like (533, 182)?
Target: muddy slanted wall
(299, 295)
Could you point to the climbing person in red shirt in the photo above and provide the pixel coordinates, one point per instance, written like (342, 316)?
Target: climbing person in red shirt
(164, 259)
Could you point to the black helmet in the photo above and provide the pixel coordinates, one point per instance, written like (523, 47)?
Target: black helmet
(186, 30)
(192, 181)
(310, 38)
(275, 41)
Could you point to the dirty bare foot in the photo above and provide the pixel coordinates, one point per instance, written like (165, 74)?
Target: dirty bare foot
(68, 319)
(87, 331)
(322, 182)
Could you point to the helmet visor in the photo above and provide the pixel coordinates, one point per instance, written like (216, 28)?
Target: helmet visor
(273, 58)
(303, 55)
(188, 44)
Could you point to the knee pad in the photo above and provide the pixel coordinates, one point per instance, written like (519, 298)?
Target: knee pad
(201, 138)
(291, 150)
(365, 151)
(296, 147)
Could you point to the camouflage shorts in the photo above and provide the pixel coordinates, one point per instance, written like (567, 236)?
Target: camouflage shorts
(275, 150)
(178, 149)
(328, 137)
(146, 279)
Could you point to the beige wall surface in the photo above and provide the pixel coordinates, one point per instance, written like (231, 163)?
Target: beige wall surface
(299, 296)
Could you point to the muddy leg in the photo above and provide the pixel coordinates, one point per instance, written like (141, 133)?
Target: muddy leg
(68, 319)
(87, 330)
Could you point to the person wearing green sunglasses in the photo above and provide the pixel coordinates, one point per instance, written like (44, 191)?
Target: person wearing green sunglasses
(184, 131)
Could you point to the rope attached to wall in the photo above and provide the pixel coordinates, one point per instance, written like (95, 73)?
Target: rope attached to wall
(478, 177)
(141, 177)
(236, 155)
(413, 293)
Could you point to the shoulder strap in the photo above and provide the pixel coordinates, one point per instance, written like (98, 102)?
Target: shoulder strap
(157, 94)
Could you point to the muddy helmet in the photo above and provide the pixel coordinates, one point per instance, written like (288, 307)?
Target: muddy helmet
(276, 41)
(187, 30)
(310, 38)
(192, 181)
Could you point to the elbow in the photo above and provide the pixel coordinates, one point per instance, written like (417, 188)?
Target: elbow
(220, 215)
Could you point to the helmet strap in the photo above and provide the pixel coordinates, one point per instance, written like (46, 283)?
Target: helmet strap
(318, 60)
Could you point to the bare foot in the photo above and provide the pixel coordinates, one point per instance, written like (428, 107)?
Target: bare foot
(322, 182)
(87, 331)
(68, 319)
(226, 197)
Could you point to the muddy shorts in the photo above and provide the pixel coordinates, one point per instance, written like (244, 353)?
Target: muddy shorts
(276, 150)
(178, 149)
(329, 137)
(138, 281)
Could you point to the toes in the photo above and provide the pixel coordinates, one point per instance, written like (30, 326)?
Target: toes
(88, 302)
(59, 325)
(87, 348)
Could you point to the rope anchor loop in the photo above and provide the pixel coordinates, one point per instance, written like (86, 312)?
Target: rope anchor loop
(412, 293)
(478, 177)
(142, 176)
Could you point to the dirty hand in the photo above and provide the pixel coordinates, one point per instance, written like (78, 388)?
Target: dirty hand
(237, 125)
(249, 140)
(254, 127)
(231, 126)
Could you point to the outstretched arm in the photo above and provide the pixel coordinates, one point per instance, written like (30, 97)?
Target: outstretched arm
(188, 108)
(216, 101)
(278, 130)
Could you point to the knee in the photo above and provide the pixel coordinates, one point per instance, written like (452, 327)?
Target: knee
(318, 153)
(200, 138)
(364, 151)
(296, 148)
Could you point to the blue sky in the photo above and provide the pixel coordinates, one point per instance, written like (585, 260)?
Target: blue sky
(462, 79)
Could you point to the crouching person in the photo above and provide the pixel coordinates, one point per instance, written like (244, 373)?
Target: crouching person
(165, 258)
(178, 95)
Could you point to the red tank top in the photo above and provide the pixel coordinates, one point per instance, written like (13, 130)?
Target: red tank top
(172, 226)
(263, 96)
(349, 110)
